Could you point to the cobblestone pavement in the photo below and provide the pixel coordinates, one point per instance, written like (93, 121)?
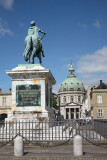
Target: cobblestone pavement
(64, 152)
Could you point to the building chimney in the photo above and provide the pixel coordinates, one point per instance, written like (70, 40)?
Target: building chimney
(101, 81)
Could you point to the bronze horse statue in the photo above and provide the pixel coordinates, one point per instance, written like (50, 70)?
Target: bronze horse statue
(33, 48)
(33, 44)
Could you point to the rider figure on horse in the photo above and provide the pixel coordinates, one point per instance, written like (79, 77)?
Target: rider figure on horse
(33, 44)
(33, 30)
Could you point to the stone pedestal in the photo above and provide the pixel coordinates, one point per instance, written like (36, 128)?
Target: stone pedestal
(31, 92)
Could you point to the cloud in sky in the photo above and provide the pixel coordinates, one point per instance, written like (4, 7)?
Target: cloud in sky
(89, 79)
(93, 63)
(93, 67)
(7, 4)
(3, 29)
(97, 24)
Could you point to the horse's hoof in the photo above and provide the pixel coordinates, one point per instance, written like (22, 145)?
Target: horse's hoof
(26, 59)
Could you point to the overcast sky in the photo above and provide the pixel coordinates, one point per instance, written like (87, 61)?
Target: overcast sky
(76, 30)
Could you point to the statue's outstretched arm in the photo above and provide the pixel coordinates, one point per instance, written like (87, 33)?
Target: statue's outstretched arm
(42, 32)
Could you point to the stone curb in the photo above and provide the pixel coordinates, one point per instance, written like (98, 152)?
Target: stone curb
(49, 158)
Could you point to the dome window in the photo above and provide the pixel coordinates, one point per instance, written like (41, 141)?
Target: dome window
(72, 98)
(79, 98)
(77, 83)
(64, 99)
(71, 89)
(79, 89)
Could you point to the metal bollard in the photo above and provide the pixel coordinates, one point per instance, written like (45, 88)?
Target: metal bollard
(78, 145)
(18, 146)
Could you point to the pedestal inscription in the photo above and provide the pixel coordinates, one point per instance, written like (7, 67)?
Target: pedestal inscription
(28, 95)
(31, 93)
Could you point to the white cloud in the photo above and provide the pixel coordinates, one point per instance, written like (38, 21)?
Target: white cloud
(93, 63)
(3, 29)
(7, 4)
(89, 79)
(97, 24)
(93, 67)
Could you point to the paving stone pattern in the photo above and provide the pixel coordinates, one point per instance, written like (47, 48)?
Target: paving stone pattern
(64, 152)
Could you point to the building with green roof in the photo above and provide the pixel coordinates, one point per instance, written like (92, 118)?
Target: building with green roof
(71, 95)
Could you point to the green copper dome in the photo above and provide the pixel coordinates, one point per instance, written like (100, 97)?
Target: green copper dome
(71, 83)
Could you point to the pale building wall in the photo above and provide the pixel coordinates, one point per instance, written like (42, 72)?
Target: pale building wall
(68, 94)
(102, 106)
(95, 112)
(87, 102)
(5, 108)
(8, 99)
(92, 86)
(63, 112)
(104, 97)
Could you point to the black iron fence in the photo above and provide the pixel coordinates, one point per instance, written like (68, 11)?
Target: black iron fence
(50, 130)
(100, 126)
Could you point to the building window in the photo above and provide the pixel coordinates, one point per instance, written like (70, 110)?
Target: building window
(99, 98)
(72, 98)
(79, 98)
(4, 101)
(64, 89)
(64, 100)
(100, 113)
(71, 89)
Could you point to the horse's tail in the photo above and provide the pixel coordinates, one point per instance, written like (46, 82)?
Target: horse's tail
(28, 45)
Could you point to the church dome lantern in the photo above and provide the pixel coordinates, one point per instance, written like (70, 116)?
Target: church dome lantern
(71, 83)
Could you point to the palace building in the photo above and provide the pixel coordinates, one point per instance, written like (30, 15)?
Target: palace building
(5, 104)
(99, 101)
(71, 96)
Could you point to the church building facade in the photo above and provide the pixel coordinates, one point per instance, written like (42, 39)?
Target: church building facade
(71, 96)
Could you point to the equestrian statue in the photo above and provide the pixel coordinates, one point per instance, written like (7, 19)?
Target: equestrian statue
(33, 44)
